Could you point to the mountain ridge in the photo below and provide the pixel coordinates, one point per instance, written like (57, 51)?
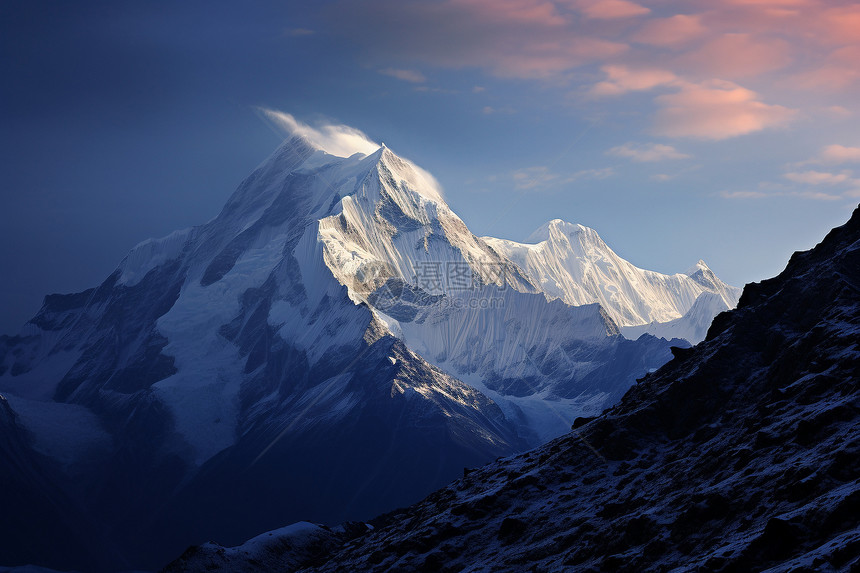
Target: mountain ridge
(570, 261)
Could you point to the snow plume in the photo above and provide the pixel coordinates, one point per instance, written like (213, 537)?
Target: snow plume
(339, 140)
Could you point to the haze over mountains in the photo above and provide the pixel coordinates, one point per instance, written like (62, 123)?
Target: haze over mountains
(334, 344)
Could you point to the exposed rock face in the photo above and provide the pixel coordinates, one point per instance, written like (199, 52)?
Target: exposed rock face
(741, 454)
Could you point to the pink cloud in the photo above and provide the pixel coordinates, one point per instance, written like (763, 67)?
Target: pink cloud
(621, 79)
(647, 152)
(411, 76)
(828, 77)
(798, 44)
(813, 195)
(837, 72)
(716, 110)
(840, 154)
(545, 59)
(611, 9)
(816, 195)
(678, 29)
(528, 39)
(739, 56)
(841, 24)
(818, 177)
(770, 2)
(744, 194)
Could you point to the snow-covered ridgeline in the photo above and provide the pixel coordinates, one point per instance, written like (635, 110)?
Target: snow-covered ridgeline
(572, 262)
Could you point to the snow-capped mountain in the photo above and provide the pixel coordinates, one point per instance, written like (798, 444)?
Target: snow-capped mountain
(693, 326)
(333, 344)
(741, 454)
(571, 262)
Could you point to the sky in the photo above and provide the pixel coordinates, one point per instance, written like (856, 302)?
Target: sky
(723, 130)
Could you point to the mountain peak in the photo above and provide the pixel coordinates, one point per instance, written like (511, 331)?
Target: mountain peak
(699, 266)
(548, 229)
(408, 173)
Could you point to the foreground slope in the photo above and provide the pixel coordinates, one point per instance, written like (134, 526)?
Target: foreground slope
(741, 454)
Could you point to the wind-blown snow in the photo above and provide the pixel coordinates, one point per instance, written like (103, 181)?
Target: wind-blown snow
(339, 140)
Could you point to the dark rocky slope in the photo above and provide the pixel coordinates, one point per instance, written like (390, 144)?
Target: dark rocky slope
(741, 454)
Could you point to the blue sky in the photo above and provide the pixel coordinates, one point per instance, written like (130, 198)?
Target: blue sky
(723, 130)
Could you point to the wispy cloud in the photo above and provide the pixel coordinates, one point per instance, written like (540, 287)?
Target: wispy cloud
(817, 195)
(739, 55)
(745, 194)
(646, 152)
(818, 177)
(835, 154)
(810, 184)
(298, 32)
(541, 177)
(533, 177)
(672, 31)
(490, 110)
(611, 9)
(339, 140)
(601, 173)
(811, 195)
(532, 39)
(621, 80)
(411, 76)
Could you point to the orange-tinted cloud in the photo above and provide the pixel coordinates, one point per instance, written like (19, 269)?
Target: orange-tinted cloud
(717, 110)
